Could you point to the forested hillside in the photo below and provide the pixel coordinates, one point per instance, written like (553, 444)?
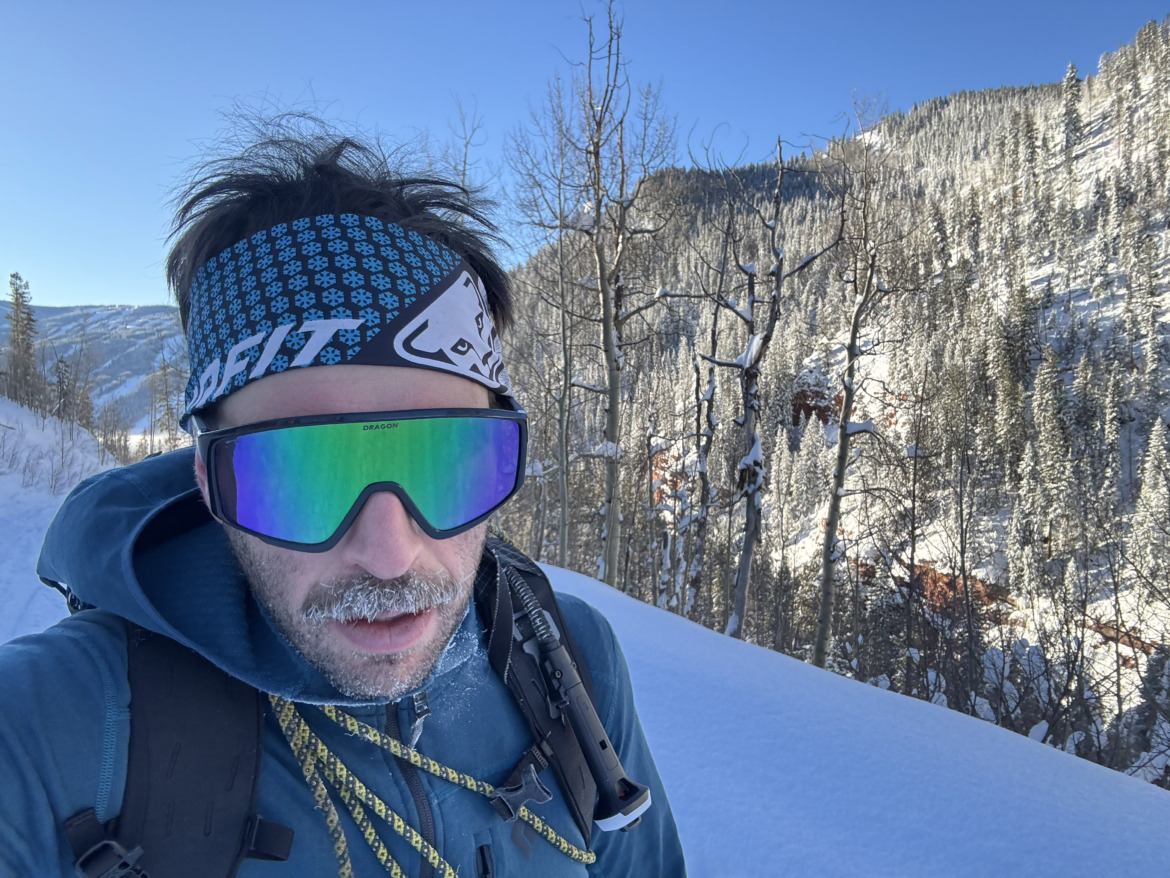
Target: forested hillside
(900, 409)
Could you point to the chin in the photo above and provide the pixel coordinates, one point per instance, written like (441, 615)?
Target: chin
(379, 660)
(371, 638)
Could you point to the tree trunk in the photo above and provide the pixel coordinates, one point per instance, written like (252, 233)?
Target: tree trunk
(910, 684)
(541, 512)
(969, 609)
(829, 547)
(753, 478)
(911, 681)
(564, 406)
(704, 438)
(611, 345)
(656, 542)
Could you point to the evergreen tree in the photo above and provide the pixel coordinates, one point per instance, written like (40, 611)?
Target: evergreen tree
(1070, 91)
(84, 413)
(64, 391)
(1049, 410)
(22, 380)
(1151, 725)
(1020, 335)
(942, 245)
(1084, 416)
(973, 223)
(1110, 495)
(1151, 526)
(1010, 427)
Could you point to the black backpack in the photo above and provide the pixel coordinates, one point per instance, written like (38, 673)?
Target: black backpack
(189, 806)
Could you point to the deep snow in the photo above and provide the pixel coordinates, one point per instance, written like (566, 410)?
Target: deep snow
(40, 461)
(775, 767)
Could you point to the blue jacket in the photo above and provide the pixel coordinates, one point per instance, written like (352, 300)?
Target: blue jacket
(138, 544)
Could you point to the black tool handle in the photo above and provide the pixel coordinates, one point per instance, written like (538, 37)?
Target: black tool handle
(621, 801)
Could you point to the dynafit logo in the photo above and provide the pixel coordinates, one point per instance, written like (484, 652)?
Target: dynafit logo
(455, 333)
(215, 380)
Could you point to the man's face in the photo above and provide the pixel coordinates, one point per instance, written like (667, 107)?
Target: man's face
(375, 612)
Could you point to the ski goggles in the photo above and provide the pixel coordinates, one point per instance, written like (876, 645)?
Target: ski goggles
(301, 482)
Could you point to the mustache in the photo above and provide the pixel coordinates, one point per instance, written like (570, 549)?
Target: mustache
(364, 598)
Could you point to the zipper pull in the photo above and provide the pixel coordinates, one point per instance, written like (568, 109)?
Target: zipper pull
(483, 862)
(422, 709)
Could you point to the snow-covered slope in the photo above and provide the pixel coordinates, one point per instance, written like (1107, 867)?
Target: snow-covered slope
(774, 767)
(40, 461)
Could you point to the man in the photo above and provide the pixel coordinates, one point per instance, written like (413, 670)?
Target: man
(355, 429)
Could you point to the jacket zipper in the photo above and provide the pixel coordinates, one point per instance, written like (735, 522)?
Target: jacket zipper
(483, 862)
(422, 805)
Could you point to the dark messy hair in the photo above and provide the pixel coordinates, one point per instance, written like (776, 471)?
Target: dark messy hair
(292, 175)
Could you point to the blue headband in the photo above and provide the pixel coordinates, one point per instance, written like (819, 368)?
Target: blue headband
(336, 289)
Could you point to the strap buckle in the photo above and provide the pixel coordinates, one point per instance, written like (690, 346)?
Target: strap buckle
(510, 799)
(108, 859)
(265, 840)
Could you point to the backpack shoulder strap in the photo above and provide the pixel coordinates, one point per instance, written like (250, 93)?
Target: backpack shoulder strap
(189, 806)
(556, 743)
(542, 588)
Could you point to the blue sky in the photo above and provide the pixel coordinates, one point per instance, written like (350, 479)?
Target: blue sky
(103, 105)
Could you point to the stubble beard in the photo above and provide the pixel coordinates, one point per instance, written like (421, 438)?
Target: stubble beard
(309, 631)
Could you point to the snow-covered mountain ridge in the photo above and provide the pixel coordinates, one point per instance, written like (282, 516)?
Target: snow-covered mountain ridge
(116, 347)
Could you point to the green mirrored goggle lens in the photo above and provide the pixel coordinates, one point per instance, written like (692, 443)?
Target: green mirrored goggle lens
(300, 483)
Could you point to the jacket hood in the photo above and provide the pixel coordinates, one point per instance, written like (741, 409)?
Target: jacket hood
(138, 542)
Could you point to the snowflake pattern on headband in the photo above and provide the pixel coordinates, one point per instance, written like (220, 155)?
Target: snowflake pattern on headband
(320, 290)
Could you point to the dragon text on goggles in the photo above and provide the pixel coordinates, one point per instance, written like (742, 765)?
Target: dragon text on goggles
(301, 482)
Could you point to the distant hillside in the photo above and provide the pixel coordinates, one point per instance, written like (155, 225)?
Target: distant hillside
(116, 346)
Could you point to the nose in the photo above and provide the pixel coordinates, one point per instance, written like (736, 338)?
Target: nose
(384, 540)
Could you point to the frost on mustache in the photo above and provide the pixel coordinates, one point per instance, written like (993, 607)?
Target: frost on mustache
(367, 597)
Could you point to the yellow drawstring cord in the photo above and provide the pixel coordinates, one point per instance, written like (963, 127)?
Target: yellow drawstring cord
(316, 758)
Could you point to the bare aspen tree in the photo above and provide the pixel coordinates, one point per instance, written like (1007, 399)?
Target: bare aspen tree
(709, 275)
(614, 140)
(167, 382)
(760, 331)
(705, 428)
(539, 156)
(620, 150)
(456, 154)
(869, 235)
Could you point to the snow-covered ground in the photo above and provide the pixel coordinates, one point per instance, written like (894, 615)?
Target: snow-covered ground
(775, 767)
(772, 766)
(39, 462)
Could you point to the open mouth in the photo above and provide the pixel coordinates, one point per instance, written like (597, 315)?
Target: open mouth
(389, 633)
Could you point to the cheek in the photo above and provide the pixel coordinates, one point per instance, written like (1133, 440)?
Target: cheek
(284, 575)
(460, 554)
(299, 572)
